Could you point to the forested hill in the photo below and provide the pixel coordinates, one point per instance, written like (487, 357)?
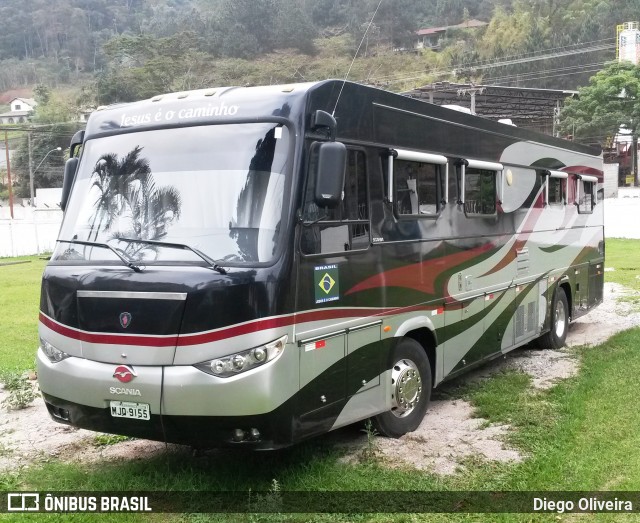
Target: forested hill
(120, 50)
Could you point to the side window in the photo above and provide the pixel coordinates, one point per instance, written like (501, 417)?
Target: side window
(346, 227)
(556, 191)
(556, 187)
(480, 192)
(417, 188)
(586, 196)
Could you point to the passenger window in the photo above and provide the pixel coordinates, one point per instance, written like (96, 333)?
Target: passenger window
(417, 188)
(480, 192)
(346, 227)
(556, 191)
(586, 192)
(555, 187)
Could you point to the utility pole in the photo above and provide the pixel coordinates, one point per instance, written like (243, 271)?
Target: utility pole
(6, 151)
(31, 192)
(471, 91)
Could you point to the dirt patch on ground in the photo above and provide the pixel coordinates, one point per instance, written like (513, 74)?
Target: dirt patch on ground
(449, 434)
(29, 436)
(611, 316)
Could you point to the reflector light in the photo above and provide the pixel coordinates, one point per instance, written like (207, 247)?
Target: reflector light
(321, 344)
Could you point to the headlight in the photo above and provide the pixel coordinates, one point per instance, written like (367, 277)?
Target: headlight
(54, 355)
(245, 360)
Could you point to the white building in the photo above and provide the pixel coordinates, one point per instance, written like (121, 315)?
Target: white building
(21, 110)
(628, 45)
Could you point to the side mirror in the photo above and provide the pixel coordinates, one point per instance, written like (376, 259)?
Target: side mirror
(76, 142)
(323, 120)
(329, 175)
(70, 168)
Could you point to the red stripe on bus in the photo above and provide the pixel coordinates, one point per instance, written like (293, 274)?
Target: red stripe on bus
(419, 276)
(224, 333)
(111, 339)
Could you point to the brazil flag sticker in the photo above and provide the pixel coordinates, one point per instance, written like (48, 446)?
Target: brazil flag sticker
(326, 283)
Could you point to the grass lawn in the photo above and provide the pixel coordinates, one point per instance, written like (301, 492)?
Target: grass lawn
(19, 305)
(582, 434)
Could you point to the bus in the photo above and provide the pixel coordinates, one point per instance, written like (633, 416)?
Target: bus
(253, 266)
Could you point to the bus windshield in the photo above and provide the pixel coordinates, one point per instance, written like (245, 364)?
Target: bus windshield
(217, 189)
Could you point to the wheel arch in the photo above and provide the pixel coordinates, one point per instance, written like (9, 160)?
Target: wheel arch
(421, 330)
(565, 285)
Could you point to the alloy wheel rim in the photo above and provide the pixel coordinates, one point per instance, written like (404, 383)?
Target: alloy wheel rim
(560, 319)
(407, 387)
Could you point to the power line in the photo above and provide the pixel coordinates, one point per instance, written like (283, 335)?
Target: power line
(538, 75)
(578, 47)
(595, 70)
(557, 69)
(545, 54)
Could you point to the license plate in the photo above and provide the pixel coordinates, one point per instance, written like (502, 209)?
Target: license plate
(126, 409)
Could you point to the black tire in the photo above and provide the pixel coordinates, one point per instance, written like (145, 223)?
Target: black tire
(409, 362)
(559, 323)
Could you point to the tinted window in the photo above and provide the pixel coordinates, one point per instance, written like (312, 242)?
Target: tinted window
(345, 227)
(556, 190)
(416, 187)
(586, 196)
(480, 192)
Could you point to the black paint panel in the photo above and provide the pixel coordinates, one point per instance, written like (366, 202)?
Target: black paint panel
(146, 316)
(213, 300)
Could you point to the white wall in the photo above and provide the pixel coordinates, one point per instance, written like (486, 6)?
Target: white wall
(48, 198)
(32, 231)
(611, 180)
(621, 214)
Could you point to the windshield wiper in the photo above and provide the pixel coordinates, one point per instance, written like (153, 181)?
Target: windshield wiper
(212, 263)
(123, 258)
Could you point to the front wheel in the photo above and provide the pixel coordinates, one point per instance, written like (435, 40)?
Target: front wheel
(555, 338)
(410, 390)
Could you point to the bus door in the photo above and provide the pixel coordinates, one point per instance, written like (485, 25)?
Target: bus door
(331, 329)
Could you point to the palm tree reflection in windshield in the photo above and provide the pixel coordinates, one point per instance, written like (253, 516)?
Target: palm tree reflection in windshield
(129, 197)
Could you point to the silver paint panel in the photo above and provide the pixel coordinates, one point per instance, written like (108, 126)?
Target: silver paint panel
(187, 390)
(87, 382)
(134, 295)
(366, 403)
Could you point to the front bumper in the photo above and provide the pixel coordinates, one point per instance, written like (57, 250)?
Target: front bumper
(275, 428)
(197, 409)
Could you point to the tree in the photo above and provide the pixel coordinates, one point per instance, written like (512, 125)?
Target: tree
(611, 101)
(294, 28)
(253, 20)
(143, 66)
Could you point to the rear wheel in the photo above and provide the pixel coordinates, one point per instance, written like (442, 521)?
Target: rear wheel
(410, 390)
(555, 338)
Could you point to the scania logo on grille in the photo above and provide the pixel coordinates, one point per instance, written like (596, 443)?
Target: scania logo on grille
(124, 373)
(125, 319)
